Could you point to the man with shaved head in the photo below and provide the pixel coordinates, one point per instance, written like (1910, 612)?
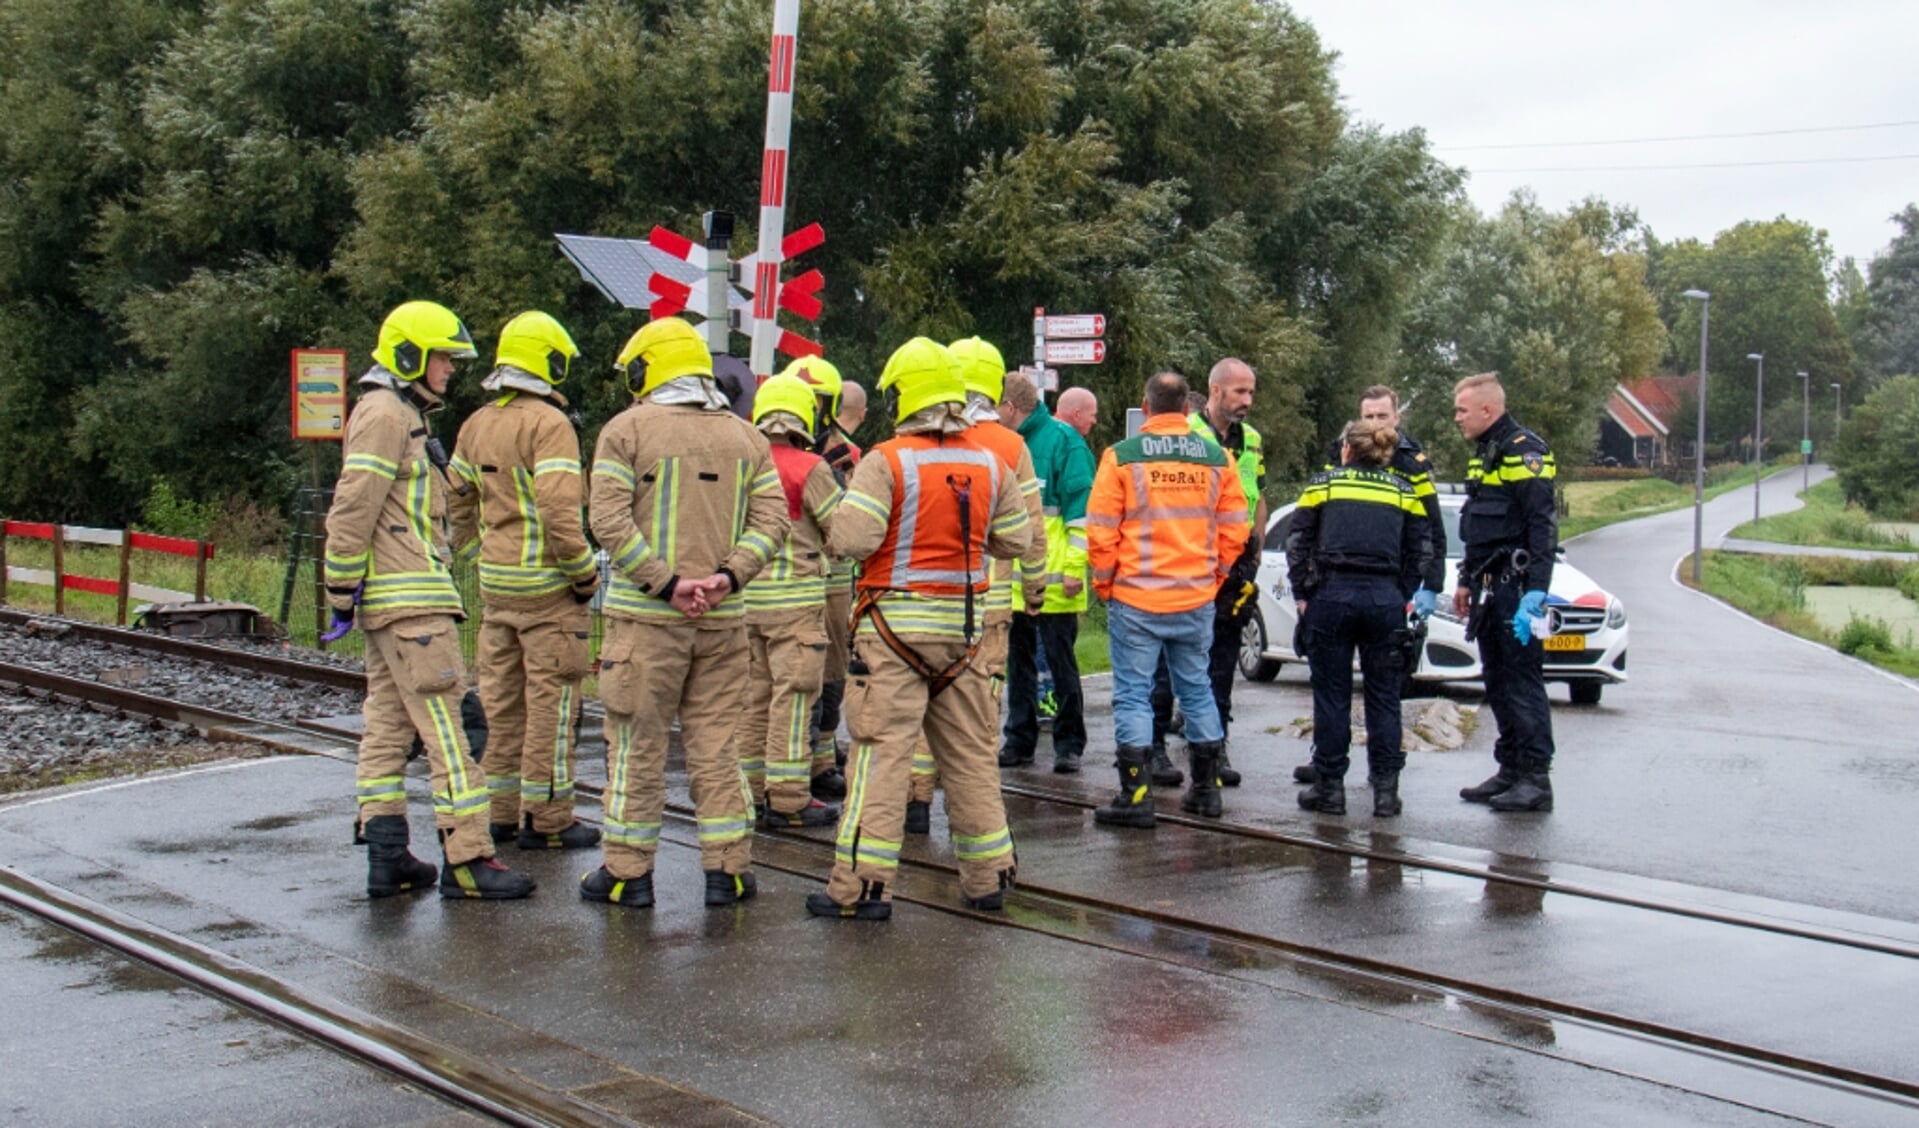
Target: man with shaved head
(1509, 528)
(1078, 408)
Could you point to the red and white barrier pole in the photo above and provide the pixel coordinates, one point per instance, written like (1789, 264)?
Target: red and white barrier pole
(773, 165)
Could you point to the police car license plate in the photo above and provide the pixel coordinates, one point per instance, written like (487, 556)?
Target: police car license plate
(1571, 642)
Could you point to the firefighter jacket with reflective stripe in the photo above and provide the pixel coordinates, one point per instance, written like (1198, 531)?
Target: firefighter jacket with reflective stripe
(797, 576)
(1357, 520)
(901, 517)
(1410, 463)
(1243, 445)
(387, 526)
(1006, 442)
(1509, 503)
(839, 573)
(679, 491)
(1167, 519)
(516, 505)
(1064, 465)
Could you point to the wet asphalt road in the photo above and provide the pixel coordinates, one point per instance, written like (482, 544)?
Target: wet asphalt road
(1754, 792)
(1737, 757)
(934, 1019)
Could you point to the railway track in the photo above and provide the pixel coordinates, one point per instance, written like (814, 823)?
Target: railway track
(447, 1072)
(1187, 940)
(1513, 874)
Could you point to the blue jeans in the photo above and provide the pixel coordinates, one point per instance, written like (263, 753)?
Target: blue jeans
(1136, 639)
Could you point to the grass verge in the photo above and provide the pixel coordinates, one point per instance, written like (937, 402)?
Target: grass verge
(1773, 589)
(1594, 505)
(1825, 522)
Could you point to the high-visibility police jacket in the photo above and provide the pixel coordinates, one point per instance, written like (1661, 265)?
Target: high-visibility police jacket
(1412, 465)
(1064, 465)
(681, 491)
(796, 579)
(1357, 520)
(1166, 520)
(1247, 450)
(901, 518)
(517, 461)
(387, 526)
(1011, 448)
(1509, 503)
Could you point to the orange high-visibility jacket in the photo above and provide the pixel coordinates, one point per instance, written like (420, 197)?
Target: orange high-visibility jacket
(901, 516)
(1005, 442)
(1166, 520)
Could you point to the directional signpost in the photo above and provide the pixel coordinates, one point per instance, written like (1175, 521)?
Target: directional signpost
(1070, 338)
(1075, 352)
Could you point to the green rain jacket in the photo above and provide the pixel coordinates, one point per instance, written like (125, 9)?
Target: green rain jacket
(1064, 465)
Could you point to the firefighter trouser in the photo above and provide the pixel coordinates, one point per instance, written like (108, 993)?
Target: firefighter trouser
(533, 654)
(414, 685)
(992, 659)
(650, 673)
(788, 653)
(826, 714)
(886, 705)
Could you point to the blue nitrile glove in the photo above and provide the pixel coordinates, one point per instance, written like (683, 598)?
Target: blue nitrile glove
(1423, 603)
(1532, 605)
(343, 620)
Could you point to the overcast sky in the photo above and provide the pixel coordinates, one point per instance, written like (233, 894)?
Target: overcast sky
(1498, 72)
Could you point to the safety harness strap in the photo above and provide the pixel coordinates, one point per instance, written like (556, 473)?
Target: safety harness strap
(936, 680)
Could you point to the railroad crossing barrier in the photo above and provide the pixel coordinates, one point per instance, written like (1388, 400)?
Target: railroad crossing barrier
(123, 588)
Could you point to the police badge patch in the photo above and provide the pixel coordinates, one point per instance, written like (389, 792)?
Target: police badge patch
(1533, 462)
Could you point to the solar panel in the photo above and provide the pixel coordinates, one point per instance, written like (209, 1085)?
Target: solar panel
(620, 268)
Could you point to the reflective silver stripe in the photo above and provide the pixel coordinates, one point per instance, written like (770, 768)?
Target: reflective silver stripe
(1143, 514)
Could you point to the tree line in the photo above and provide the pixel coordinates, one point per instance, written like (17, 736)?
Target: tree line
(190, 188)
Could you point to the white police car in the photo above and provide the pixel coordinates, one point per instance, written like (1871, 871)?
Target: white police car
(1587, 649)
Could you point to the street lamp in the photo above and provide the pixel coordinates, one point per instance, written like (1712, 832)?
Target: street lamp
(1805, 430)
(1835, 414)
(1758, 421)
(1699, 442)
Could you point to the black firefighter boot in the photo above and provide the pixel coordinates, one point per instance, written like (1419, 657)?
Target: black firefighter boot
(1532, 791)
(1133, 806)
(482, 879)
(1164, 773)
(1386, 795)
(1228, 774)
(390, 867)
(1202, 796)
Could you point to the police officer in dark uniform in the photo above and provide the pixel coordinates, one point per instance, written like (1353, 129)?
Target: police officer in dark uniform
(1356, 556)
(1510, 530)
(1380, 404)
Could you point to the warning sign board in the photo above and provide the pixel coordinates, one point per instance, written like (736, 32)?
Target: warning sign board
(319, 394)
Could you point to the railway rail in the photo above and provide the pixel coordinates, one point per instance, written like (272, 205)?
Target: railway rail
(1511, 873)
(445, 1071)
(1187, 941)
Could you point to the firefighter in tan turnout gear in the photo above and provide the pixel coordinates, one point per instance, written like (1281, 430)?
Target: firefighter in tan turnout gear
(686, 500)
(924, 511)
(983, 372)
(516, 506)
(786, 617)
(386, 568)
